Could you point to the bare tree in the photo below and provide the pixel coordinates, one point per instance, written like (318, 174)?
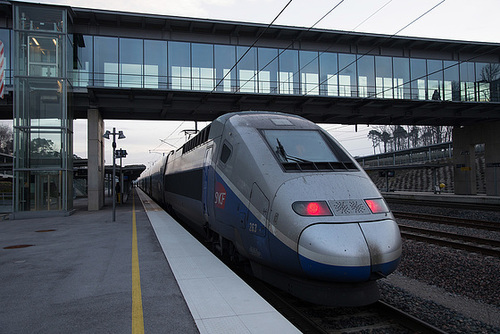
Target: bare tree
(375, 137)
(6, 139)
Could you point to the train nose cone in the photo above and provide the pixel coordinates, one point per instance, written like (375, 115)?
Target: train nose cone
(344, 253)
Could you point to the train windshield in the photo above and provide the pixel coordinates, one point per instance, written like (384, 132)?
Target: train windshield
(299, 146)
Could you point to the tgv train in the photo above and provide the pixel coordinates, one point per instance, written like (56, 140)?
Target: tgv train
(279, 192)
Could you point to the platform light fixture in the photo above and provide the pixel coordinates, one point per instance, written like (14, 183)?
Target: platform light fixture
(107, 135)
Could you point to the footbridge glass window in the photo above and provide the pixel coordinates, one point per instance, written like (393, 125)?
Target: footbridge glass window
(202, 66)
(309, 76)
(467, 79)
(106, 61)
(384, 77)
(435, 88)
(347, 75)
(179, 57)
(401, 68)
(155, 64)
(225, 58)
(247, 69)
(82, 61)
(268, 70)
(487, 82)
(131, 62)
(418, 79)
(451, 81)
(329, 84)
(289, 72)
(366, 76)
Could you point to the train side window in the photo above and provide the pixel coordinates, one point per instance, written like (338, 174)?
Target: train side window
(225, 154)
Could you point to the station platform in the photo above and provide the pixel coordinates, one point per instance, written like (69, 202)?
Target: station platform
(140, 273)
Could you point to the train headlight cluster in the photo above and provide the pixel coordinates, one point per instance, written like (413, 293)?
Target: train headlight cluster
(377, 205)
(321, 208)
(318, 208)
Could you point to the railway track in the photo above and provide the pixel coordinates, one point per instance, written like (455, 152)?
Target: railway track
(472, 244)
(379, 317)
(477, 224)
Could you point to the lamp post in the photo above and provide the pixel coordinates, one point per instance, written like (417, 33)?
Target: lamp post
(120, 136)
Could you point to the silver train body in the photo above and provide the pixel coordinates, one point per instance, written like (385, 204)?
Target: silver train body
(279, 191)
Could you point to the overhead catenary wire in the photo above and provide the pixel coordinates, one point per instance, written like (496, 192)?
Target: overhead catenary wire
(376, 46)
(251, 46)
(291, 44)
(235, 64)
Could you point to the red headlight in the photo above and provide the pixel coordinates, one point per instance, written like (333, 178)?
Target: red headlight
(377, 205)
(317, 208)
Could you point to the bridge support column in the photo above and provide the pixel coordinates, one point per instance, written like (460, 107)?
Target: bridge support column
(95, 175)
(464, 141)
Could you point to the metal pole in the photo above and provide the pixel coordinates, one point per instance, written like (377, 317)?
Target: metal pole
(114, 173)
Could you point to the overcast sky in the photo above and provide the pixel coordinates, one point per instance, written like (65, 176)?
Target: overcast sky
(474, 20)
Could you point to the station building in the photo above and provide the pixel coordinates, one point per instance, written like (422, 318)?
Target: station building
(63, 63)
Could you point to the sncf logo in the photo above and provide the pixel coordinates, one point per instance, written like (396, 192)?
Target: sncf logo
(220, 195)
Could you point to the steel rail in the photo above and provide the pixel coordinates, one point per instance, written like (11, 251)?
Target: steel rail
(444, 240)
(454, 221)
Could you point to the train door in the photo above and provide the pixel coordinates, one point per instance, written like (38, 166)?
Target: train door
(208, 182)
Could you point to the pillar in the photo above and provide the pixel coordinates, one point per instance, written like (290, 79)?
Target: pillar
(464, 141)
(95, 188)
(492, 159)
(464, 162)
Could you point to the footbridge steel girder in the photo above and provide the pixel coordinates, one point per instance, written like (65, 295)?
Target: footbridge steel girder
(143, 104)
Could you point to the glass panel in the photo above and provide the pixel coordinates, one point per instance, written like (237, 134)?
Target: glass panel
(203, 66)
(225, 58)
(247, 70)
(495, 82)
(40, 191)
(179, 57)
(401, 78)
(366, 76)
(328, 74)
(131, 60)
(418, 79)
(347, 75)
(435, 79)
(40, 18)
(45, 149)
(106, 61)
(40, 102)
(289, 72)
(451, 81)
(44, 56)
(384, 77)
(82, 60)
(268, 70)
(467, 79)
(482, 81)
(309, 76)
(155, 64)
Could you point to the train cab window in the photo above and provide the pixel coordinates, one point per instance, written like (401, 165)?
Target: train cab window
(225, 154)
(305, 150)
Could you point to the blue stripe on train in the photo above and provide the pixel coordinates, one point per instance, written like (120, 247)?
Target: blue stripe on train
(343, 273)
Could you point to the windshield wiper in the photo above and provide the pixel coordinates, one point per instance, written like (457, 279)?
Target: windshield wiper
(282, 152)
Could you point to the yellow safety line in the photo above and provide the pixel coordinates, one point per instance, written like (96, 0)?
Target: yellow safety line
(137, 315)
